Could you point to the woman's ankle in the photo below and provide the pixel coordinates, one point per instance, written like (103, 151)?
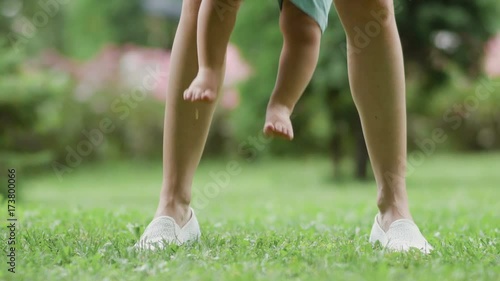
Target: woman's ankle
(181, 213)
(174, 204)
(393, 205)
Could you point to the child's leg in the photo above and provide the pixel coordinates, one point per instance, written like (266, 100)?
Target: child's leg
(215, 24)
(299, 56)
(377, 80)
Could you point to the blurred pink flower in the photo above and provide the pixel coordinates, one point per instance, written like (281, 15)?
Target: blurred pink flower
(492, 57)
(136, 63)
(126, 68)
(237, 70)
(231, 99)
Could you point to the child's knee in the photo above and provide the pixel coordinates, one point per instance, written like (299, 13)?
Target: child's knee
(359, 11)
(300, 29)
(304, 35)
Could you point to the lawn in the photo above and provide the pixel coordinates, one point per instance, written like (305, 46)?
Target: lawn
(275, 220)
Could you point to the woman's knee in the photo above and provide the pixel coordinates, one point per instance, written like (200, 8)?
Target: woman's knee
(358, 11)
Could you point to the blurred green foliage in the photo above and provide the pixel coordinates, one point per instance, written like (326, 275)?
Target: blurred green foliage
(88, 25)
(102, 22)
(35, 116)
(434, 72)
(40, 117)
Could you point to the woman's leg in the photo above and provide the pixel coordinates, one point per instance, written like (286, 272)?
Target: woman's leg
(216, 22)
(376, 75)
(186, 123)
(299, 57)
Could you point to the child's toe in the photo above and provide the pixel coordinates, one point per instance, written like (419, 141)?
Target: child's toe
(197, 94)
(286, 132)
(278, 128)
(206, 95)
(187, 94)
(283, 130)
(268, 128)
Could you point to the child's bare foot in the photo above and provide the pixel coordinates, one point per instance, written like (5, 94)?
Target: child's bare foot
(204, 87)
(278, 123)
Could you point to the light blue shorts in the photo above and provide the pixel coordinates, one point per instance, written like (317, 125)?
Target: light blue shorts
(316, 9)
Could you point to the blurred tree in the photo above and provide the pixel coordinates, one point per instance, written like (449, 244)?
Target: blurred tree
(435, 35)
(35, 115)
(442, 40)
(90, 24)
(442, 52)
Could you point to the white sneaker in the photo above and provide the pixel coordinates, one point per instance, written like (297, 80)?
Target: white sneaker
(402, 235)
(163, 231)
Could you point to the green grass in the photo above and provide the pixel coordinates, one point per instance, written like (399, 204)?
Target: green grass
(277, 220)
